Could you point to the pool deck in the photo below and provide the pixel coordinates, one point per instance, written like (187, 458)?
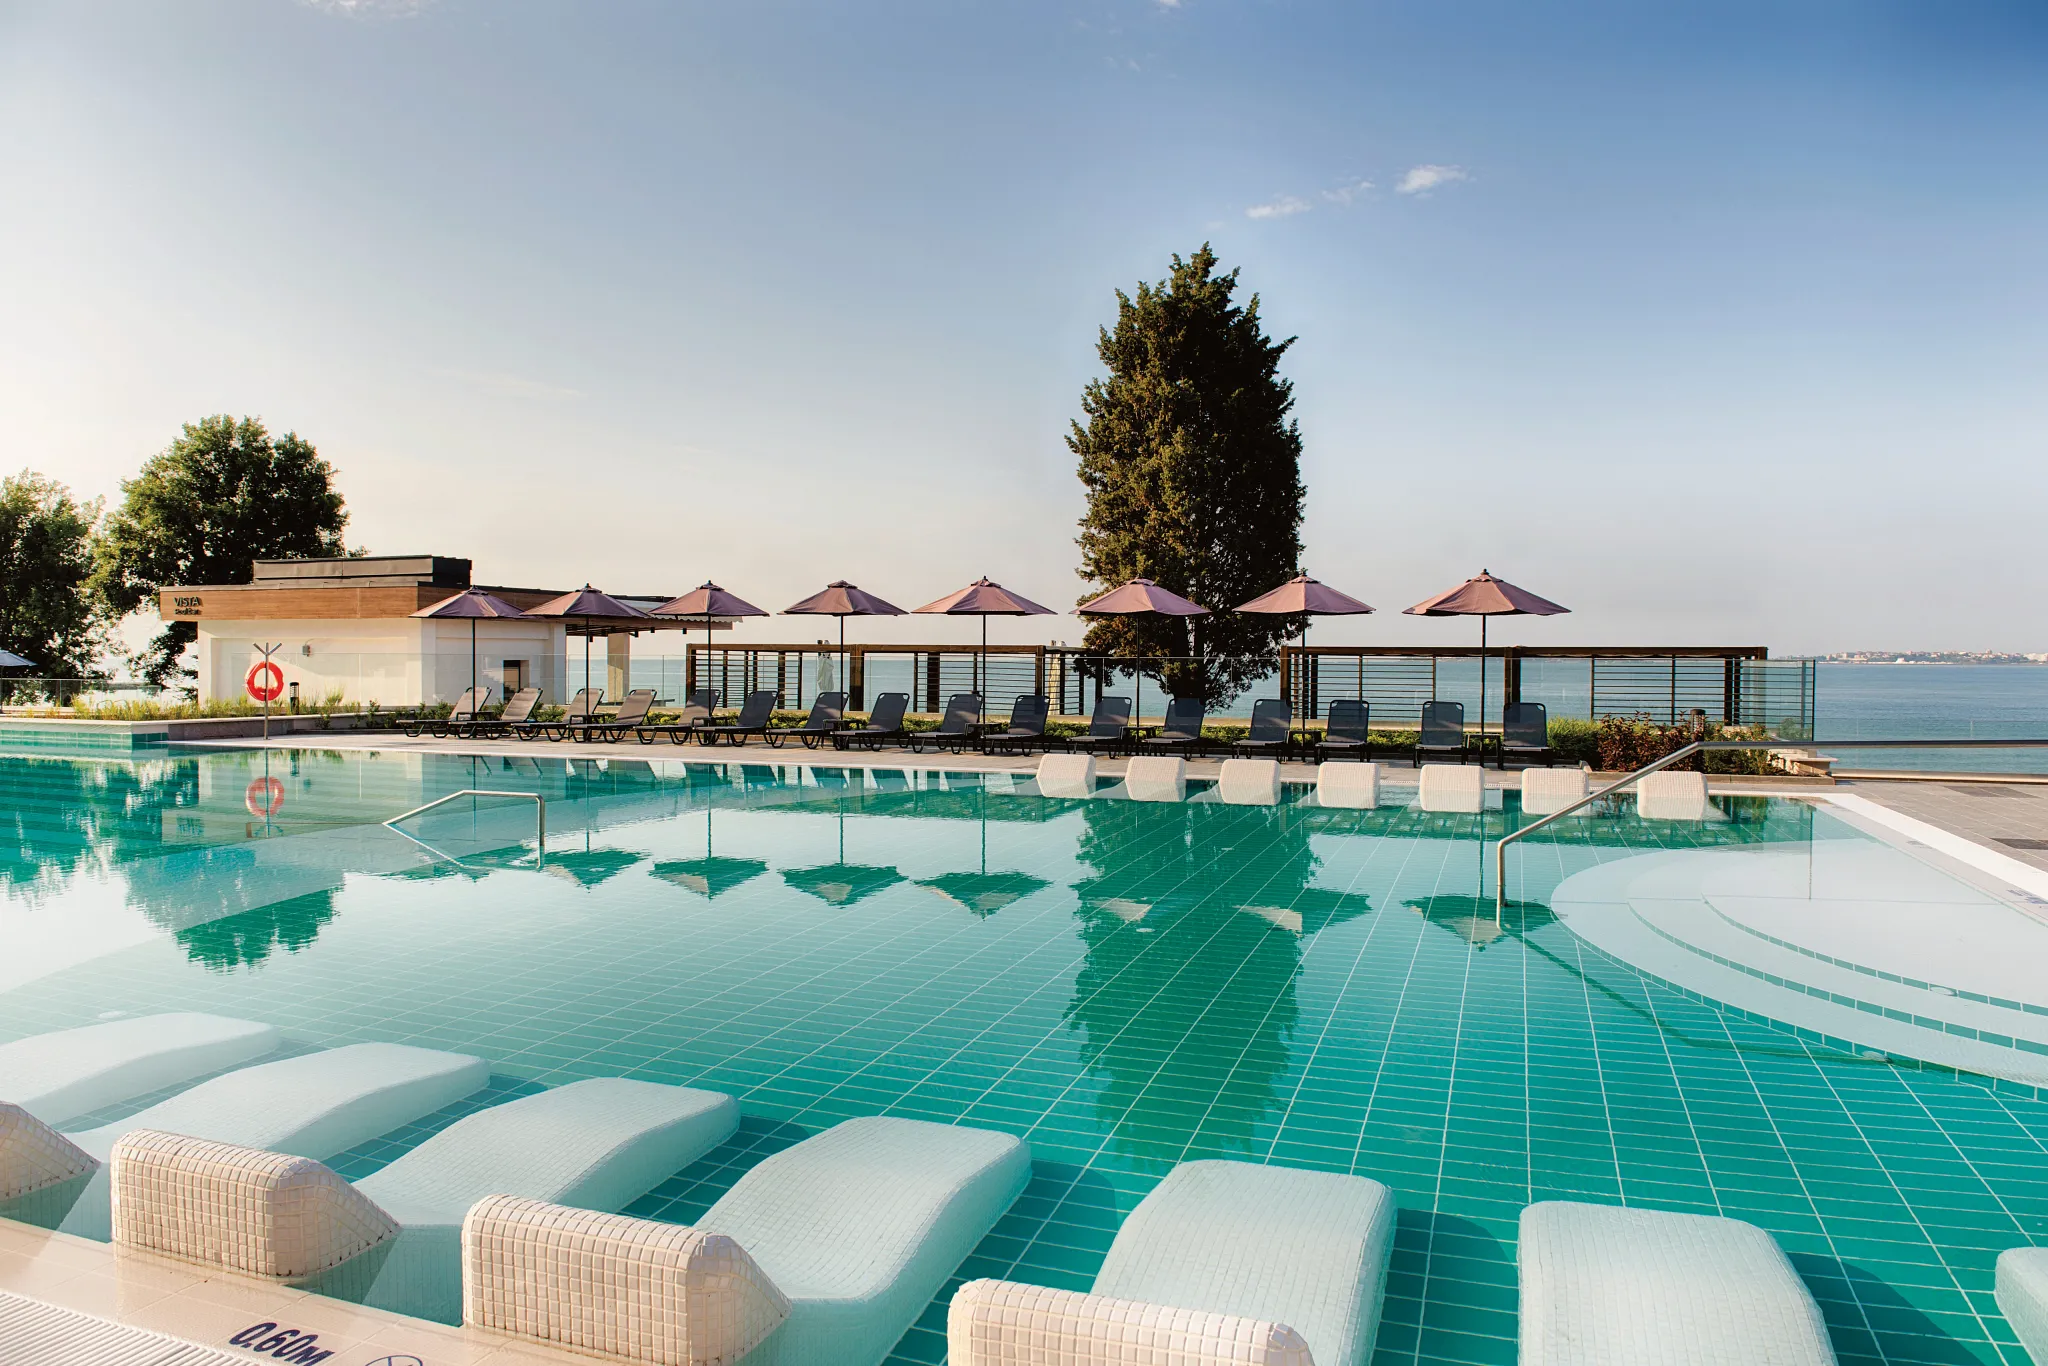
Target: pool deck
(2006, 817)
(210, 1307)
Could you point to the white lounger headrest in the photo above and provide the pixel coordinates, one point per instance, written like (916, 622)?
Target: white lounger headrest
(264, 1213)
(611, 1285)
(1002, 1323)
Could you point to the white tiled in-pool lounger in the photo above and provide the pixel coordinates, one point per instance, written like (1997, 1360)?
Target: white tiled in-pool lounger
(59, 1076)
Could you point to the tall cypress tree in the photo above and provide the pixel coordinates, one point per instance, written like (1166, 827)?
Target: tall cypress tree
(1193, 470)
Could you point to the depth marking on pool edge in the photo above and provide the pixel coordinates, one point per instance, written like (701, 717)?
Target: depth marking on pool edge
(293, 1345)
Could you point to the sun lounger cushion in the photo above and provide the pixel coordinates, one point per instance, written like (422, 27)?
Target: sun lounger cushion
(58, 1077)
(1156, 778)
(248, 1210)
(1356, 786)
(34, 1156)
(624, 1288)
(1669, 796)
(1453, 787)
(1002, 1323)
(316, 1106)
(2022, 1291)
(1066, 775)
(596, 1144)
(1605, 1284)
(861, 1226)
(1272, 1244)
(1249, 782)
(1545, 790)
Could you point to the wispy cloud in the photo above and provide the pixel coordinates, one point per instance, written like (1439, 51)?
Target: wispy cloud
(1344, 194)
(1286, 206)
(369, 9)
(1423, 179)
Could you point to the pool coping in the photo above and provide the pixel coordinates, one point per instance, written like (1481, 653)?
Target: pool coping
(211, 1308)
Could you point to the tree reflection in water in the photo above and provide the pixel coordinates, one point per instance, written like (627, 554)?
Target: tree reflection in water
(247, 940)
(1194, 924)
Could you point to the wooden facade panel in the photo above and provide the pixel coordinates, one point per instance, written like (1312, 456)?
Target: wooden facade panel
(250, 602)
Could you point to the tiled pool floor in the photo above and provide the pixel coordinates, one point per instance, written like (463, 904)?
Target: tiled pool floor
(1130, 986)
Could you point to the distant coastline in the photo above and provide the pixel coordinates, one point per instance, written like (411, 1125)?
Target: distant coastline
(1931, 657)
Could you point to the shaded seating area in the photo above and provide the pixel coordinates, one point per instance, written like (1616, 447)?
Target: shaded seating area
(694, 716)
(1442, 735)
(1272, 730)
(755, 710)
(1026, 730)
(1181, 729)
(884, 723)
(828, 714)
(957, 729)
(1348, 733)
(1525, 734)
(1109, 727)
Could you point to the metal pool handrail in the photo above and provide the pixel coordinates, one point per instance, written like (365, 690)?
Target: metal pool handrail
(1500, 851)
(540, 810)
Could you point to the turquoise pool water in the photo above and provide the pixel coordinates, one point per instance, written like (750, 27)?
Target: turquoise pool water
(1127, 985)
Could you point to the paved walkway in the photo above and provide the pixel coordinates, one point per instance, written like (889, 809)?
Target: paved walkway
(2011, 818)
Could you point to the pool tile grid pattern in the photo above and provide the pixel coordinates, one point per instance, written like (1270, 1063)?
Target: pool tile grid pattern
(1473, 1079)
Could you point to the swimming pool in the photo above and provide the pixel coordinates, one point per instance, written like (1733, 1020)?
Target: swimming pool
(1128, 985)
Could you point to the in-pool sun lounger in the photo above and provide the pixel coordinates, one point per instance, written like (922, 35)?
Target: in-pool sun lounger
(1224, 1262)
(58, 1077)
(599, 1144)
(862, 1225)
(1601, 1284)
(2021, 1287)
(317, 1105)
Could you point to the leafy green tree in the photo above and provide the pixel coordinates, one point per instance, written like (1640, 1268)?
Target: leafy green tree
(47, 616)
(1192, 466)
(222, 496)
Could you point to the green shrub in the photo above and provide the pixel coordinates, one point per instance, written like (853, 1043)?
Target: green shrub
(1576, 740)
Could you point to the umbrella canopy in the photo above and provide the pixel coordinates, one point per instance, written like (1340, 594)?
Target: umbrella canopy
(10, 660)
(1304, 596)
(708, 602)
(1483, 597)
(984, 598)
(473, 603)
(1140, 597)
(842, 599)
(477, 605)
(587, 605)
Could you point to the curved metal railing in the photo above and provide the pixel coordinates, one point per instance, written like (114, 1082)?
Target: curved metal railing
(1500, 852)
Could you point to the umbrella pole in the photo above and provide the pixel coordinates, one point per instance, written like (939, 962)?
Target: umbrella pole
(1482, 692)
(472, 654)
(981, 672)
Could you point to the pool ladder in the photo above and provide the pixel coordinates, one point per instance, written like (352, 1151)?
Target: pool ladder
(540, 811)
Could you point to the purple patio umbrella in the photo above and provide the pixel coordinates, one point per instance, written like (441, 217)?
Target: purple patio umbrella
(708, 603)
(477, 605)
(985, 599)
(589, 606)
(1483, 597)
(1140, 597)
(1305, 597)
(842, 599)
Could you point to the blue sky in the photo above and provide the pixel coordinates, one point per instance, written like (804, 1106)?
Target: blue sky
(1718, 324)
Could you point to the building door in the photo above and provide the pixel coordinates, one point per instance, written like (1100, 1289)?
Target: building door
(515, 676)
